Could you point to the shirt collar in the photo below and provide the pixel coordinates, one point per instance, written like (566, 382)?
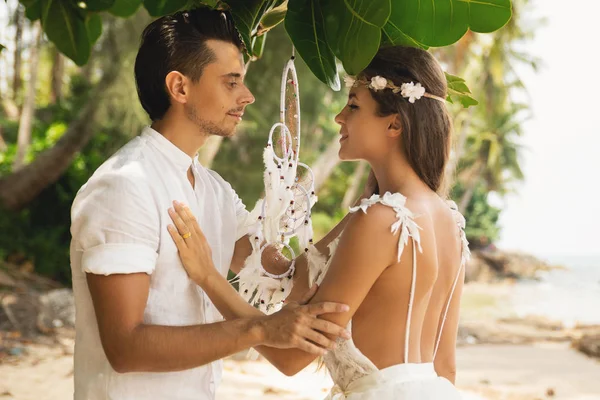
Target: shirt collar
(177, 156)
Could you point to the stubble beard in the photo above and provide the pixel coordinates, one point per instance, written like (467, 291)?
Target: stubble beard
(207, 127)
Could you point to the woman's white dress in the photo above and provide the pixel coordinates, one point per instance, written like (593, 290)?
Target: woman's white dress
(354, 375)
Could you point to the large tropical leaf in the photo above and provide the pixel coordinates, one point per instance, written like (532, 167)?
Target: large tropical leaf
(305, 25)
(199, 3)
(94, 27)
(33, 9)
(2, 47)
(353, 29)
(247, 15)
(125, 8)
(393, 36)
(65, 27)
(158, 8)
(272, 18)
(443, 22)
(96, 5)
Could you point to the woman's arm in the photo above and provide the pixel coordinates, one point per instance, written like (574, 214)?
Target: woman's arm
(365, 250)
(273, 260)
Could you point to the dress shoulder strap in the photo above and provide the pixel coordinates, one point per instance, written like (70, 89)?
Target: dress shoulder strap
(465, 255)
(405, 223)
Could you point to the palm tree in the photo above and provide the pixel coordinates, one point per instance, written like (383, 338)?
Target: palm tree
(493, 155)
(492, 151)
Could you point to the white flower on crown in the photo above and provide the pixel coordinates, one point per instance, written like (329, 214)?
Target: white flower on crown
(378, 83)
(412, 91)
(349, 81)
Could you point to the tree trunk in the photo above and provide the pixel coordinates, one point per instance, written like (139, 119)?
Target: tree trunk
(352, 192)
(21, 187)
(209, 151)
(19, 20)
(27, 112)
(56, 76)
(326, 163)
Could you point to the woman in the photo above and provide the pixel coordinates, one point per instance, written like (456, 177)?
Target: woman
(403, 287)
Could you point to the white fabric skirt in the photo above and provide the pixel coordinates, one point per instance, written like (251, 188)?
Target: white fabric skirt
(399, 382)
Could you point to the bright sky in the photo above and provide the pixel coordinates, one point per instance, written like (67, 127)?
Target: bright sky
(557, 209)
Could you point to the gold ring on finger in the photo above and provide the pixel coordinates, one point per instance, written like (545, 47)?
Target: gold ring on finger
(187, 235)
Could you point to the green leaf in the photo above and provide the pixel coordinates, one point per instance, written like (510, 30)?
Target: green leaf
(457, 83)
(66, 28)
(459, 91)
(392, 36)
(2, 47)
(247, 15)
(443, 22)
(33, 9)
(97, 5)
(305, 25)
(125, 8)
(94, 27)
(272, 18)
(258, 45)
(191, 4)
(158, 8)
(353, 29)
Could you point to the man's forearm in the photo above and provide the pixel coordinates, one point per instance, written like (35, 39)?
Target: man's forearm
(155, 348)
(232, 305)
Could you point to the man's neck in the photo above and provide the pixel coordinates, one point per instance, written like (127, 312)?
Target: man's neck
(182, 133)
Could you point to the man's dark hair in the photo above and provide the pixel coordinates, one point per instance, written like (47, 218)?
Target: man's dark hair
(177, 42)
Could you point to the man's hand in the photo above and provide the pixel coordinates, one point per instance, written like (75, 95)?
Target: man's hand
(194, 250)
(298, 326)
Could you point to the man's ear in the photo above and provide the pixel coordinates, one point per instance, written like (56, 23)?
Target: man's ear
(177, 86)
(395, 126)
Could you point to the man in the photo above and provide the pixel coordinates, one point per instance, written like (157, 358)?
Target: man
(144, 330)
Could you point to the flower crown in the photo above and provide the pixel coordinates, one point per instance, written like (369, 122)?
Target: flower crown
(411, 91)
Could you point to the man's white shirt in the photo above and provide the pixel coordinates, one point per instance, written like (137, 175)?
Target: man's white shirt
(119, 225)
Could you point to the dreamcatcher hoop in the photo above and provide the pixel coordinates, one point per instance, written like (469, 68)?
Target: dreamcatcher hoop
(285, 211)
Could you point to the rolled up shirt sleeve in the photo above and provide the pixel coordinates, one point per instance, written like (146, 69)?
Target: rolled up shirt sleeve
(115, 224)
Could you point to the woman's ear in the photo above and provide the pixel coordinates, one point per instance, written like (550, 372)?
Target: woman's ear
(394, 126)
(176, 85)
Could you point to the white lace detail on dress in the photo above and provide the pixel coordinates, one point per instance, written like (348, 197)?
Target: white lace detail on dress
(461, 223)
(405, 223)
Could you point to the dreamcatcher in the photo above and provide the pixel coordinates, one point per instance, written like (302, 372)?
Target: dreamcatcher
(285, 210)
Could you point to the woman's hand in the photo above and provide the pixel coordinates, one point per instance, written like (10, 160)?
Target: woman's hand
(194, 250)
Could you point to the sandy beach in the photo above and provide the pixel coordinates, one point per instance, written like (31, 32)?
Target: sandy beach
(509, 372)
(500, 357)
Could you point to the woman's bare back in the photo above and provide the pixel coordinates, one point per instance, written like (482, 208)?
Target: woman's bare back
(379, 326)
(385, 308)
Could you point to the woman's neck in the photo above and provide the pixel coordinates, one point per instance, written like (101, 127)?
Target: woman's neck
(395, 175)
